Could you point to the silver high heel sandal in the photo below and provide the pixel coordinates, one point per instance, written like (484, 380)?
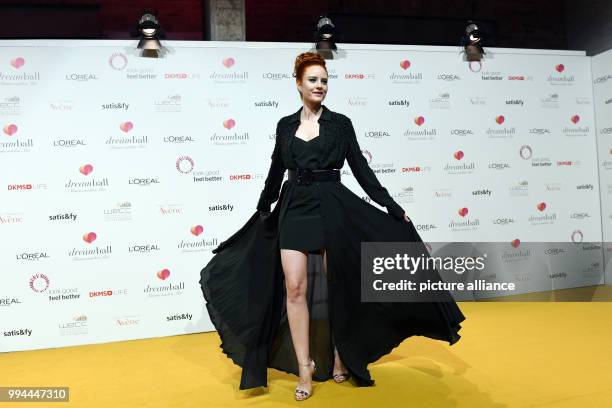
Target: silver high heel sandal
(300, 393)
(340, 377)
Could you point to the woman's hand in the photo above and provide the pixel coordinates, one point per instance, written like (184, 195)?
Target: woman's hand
(406, 218)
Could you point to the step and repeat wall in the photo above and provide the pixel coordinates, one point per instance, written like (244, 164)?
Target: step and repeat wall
(120, 174)
(602, 99)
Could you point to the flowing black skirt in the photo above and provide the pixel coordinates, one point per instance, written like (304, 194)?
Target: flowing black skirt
(243, 285)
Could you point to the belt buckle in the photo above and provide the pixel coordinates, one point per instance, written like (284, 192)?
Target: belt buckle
(304, 176)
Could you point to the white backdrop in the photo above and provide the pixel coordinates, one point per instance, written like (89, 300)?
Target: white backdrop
(602, 90)
(120, 174)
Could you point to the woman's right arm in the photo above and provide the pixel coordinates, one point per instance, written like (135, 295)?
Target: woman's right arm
(275, 177)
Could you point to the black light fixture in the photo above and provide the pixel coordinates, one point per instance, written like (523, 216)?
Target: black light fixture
(149, 31)
(325, 37)
(472, 42)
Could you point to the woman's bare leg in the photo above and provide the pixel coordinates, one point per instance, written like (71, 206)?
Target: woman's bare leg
(294, 267)
(339, 367)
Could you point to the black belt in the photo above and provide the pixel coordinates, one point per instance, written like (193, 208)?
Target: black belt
(306, 177)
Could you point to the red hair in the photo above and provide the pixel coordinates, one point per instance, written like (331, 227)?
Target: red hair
(304, 60)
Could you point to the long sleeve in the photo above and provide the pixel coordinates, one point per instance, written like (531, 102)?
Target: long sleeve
(274, 179)
(365, 176)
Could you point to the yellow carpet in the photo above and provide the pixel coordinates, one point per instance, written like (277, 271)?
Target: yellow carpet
(512, 354)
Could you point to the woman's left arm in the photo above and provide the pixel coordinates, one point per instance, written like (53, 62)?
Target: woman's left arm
(365, 176)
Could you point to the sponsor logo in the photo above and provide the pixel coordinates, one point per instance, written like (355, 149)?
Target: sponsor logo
(18, 332)
(115, 106)
(74, 327)
(32, 256)
(461, 132)
(229, 75)
(171, 209)
(170, 104)
(184, 164)
(377, 134)
(39, 282)
(426, 227)
(491, 76)
(181, 316)
(520, 189)
(143, 249)
(178, 139)
(357, 101)
(221, 207)
(208, 176)
(166, 289)
(118, 61)
(448, 77)
(406, 76)
(143, 182)
(9, 301)
(266, 104)
(69, 143)
(63, 294)
(517, 102)
(65, 216)
(463, 168)
(127, 321)
(107, 293)
(503, 221)
(122, 211)
(539, 131)
(442, 101)
(602, 79)
(81, 77)
(399, 102)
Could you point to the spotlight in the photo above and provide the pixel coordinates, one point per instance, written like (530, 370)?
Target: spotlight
(472, 42)
(149, 30)
(325, 37)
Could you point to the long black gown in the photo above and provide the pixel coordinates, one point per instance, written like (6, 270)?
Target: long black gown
(243, 283)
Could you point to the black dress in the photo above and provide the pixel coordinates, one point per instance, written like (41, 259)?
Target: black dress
(302, 227)
(243, 283)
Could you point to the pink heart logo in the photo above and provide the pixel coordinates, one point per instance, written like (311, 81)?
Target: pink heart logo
(419, 120)
(541, 206)
(560, 67)
(575, 119)
(90, 237)
(463, 211)
(458, 155)
(163, 274)
(515, 242)
(18, 62)
(228, 62)
(500, 119)
(10, 129)
(229, 123)
(197, 230)
(86, 169)
(126, 126)
(405, 64)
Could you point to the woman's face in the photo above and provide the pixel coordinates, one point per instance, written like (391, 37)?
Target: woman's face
(313, 84)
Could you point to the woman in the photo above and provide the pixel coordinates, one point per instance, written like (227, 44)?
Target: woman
(269, 307)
